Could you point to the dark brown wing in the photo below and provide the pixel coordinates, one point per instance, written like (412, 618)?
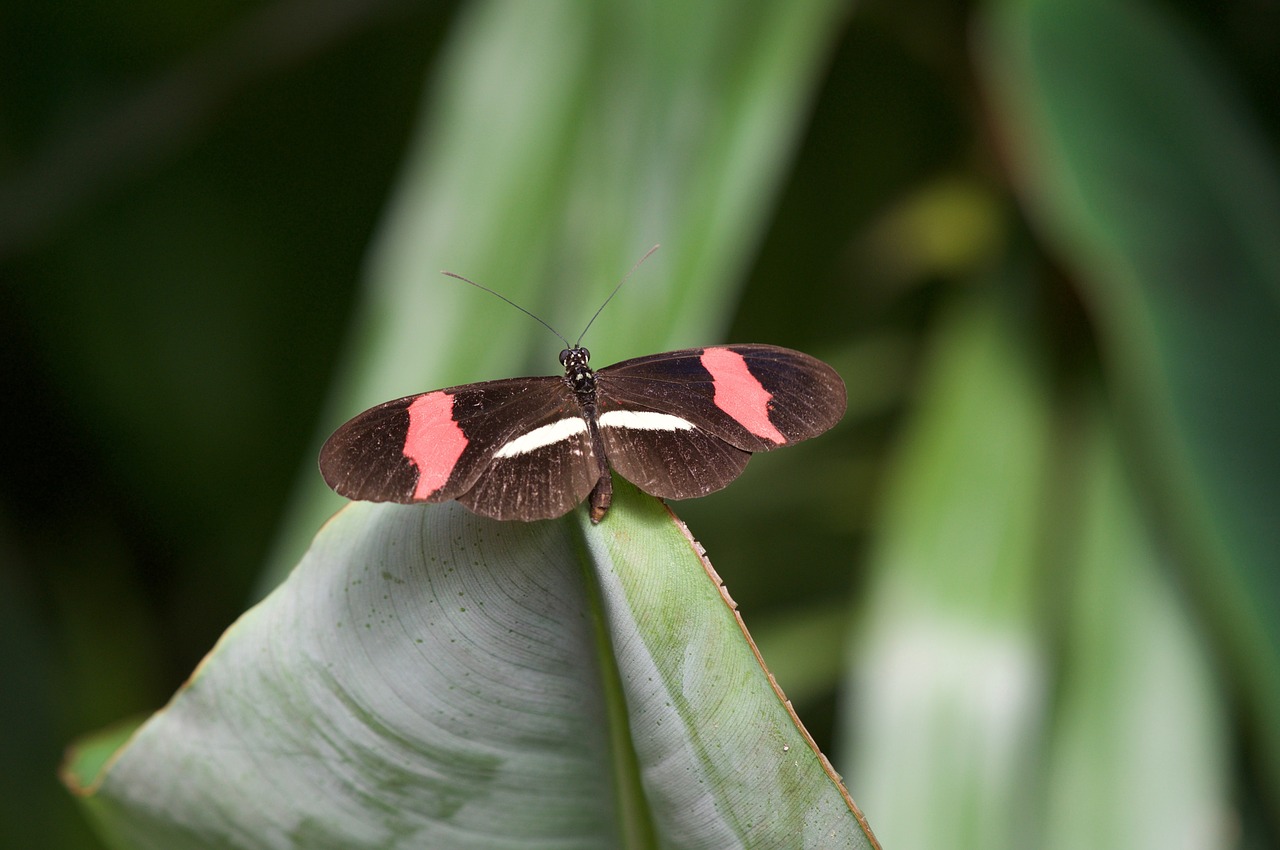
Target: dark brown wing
(685, 423)
(465, 443)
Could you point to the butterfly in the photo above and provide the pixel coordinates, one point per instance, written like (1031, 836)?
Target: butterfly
(677, 425)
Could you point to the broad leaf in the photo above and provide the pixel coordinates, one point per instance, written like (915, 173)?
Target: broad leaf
(428, 678)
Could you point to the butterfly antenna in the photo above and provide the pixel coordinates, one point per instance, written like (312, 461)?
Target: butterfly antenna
(509, 301)
(625, 277)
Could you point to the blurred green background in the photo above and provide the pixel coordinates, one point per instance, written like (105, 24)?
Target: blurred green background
(1026, 595)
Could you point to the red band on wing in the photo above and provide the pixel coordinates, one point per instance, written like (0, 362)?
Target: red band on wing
(739, 394)
(434, 441)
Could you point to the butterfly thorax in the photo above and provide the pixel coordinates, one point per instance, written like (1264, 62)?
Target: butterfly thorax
(578, 374)
(580, 378)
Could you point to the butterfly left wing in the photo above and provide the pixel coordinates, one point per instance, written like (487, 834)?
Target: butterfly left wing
(684, 423)
(508, 449)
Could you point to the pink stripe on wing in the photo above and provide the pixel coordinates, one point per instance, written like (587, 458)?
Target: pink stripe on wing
(434, 442)
(739, 394)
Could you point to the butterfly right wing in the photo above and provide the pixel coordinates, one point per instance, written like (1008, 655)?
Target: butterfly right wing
(508, 449)
(684, 423)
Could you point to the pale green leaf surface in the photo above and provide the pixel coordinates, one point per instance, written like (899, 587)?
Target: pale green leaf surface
(412, 679)
(721, 759)
(1144, 170)
(428, 678)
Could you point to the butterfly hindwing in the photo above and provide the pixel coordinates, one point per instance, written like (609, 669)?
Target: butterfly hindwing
(673, 463)
(540, 483)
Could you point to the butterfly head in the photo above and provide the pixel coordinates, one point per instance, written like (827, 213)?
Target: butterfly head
(575, 361)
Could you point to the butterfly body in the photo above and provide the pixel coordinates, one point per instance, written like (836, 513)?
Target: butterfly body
(677, 425)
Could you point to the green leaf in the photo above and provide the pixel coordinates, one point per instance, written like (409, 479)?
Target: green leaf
(88, 756)
(428, 678)
(1149, 178)
(1137, 755)
(947, 682)
(1027, 670)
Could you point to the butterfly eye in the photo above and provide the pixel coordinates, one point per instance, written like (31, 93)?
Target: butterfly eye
(564, 356)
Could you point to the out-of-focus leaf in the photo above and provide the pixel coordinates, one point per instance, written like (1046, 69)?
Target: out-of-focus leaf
(1137, 756)
(809, 644)
(1144, 171)
(560, 140)
(946, 685)
(428, 678)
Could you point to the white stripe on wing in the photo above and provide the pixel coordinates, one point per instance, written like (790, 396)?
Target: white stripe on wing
(644, 420)
(544, 436)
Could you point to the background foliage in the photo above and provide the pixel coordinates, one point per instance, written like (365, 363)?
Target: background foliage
(1026, 594)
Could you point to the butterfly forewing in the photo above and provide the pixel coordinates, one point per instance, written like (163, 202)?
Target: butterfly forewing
(364, 459)
(755, 397)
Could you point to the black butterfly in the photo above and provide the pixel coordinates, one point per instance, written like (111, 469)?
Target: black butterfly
(677, 425)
